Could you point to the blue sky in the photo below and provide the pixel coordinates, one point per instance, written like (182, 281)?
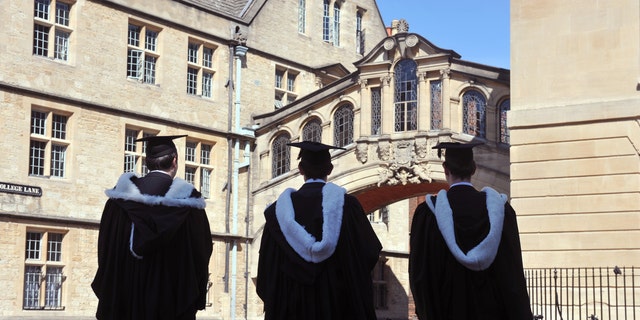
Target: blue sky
(477, 30)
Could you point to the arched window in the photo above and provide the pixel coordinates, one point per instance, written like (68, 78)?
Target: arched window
(343, 126)
(326, 22)
(281, 156)
(504, 129)
(312, 131)
(336, 24)
(474, 108)
(406, 97)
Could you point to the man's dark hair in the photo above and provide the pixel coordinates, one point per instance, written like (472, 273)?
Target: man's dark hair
(461, 169)
(315, 171)
(162, 162)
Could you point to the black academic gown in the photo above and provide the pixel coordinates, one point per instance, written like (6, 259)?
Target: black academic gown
(157, 269)
(445, 289)
(337, 288)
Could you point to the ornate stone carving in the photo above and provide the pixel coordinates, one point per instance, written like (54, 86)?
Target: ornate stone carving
(411, 41)
(403, 166)
(386, 80)
(363, 83)
(389, 44)
(445, 73)
(403, 26)
(362, 152)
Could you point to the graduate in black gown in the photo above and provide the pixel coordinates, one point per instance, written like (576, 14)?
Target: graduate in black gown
(154, 243)
(465, 260)
(318, 249)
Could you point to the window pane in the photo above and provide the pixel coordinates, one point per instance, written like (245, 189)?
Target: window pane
(205, 154)
(130, 162)
(32, 276)
(207, 57)
(58, 154)
(53, 289)
(406, 96)
(336, 24)
(134, 63)
(280, 151)
(41, 9)
(190, 152)
(291, 81)
(312, 131)
(205, 182)
(40, 40)
(151, 39)
(38, 122)
(505, 106)
(343, 126)
(190, 174)
(474, 117)
(62, 13)
(192, 52)
(325, 21)
(207, 79)
(149, 69)
(192, 81)
(33, 245)
(59, 128)
(436, 104)
(134, 35)
(302, 16)
(36, 158)
(279, 77)
(130, 140)
(376, 111)
(62, 45)
(54, 247)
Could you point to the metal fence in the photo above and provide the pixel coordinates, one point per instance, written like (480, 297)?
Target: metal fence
(602, 293)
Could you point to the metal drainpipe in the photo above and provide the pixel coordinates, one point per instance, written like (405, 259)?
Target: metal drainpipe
(240, 51)
(227, 210)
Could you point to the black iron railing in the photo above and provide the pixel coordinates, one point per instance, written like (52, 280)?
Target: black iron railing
(596, 293)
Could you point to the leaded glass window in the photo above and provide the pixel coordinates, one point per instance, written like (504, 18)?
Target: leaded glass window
(436, 104)
(505, 106)
(312, 131)
(474, 113)
(343, 126)
(376, 111)
(280, 155)
(406, 96)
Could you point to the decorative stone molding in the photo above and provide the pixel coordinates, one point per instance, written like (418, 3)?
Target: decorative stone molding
(406, 162)
(412, 41)
(389, 44)
(363, 83)
(403, 26)
(386, 80)
(362, 151)
(445, 73)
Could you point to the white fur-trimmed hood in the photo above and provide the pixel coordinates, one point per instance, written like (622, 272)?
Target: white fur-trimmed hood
(482, 255)
(178, 195)
(303, 243)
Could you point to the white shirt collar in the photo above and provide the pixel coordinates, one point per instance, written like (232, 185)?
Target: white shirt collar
(315, 180)
(462, 183)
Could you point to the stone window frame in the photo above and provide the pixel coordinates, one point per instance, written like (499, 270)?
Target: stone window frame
(142, 52)
(343, 120)
(474, 113)
(280, 154)
(49, 142)
(406, 96)
(200, 68)
(198, 165)
(135, 151)
(43, 283)
(53, 24)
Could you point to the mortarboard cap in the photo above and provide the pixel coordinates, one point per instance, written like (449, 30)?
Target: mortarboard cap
(158, 146)
(456, 150)
(314, 153)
